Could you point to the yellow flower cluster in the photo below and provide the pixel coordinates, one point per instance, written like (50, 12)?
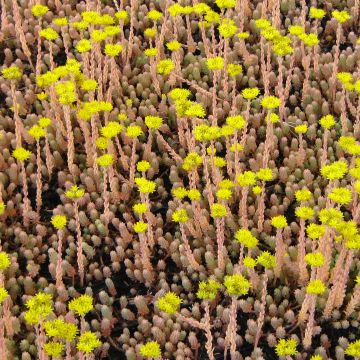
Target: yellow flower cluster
(270, 102)
(279, 221)
(59, 328)
(286, 347)
(316, 13)
(192, 161)
(236, 285)
(236, 121)
(150, 350)
(153, 122)
(145, 186)
(3, 294)
(113, 49)
(267, 260)
(180, 216)
(39, 307)
(143, 166)
(315, 231)
(37, 132)
(234, 69)
(39, 10)
(88, 342)
(105, 160)
(250, 93)
(304, 212)
(315, 287)
(11, 73)
(134, 131)
(216, 63)
(227, 27)
(303, 195)
(341, 16)
(247, 178)
(340, 195)
(54, 349)
(140, 227)
(49, 34)
(169, 303)
(81, 305)
(165, 66)
(208, 289)
(336, 170)
(111, 129)
(21, 154)
(245, 237)
(315, 259)
(218, 210)
(140, 208)
(58, 221)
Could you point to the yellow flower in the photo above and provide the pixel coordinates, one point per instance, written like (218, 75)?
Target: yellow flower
(336, 170)
(286, 347)
(316, 357)
(279, 221)
(112, 129)
(218, 210)
(81, 305)
(113, 49)
(150, 32)
(140, 227)
(224, 194)
(330, 216)
(192, 161)
(122, 15)
(169, 303)
(315, 259)
(21, 154)
(243, 35)
(315, 231)
(225, 4)
(195, 110)
(89, 85)
(83, 45)
(296, 30)
(340, 195)
(194, 194)
(248, 178)
(40, 304)
(208, 289)
(140, 208)
(236, 121)
(88, 342)
(236, 285)
(257, 190)
(143, 165)
(2, 207)
(180, 216)
(3, 294)
(344, 77)
(39, 10)
(270, 102)
(179, 193)
(42, 96)
(301, 129)
(54, 349)
(150, 349)
(262, 23)
(49, 34)
(234, 69)
(304, 212)
(145, 186)
(327, 121)
(173, 45)
(105, 160)
(309, 39)
(81, 25)
(216, 63)
(153, 122)
(219, 161)
(44, 122)
(165, 66)
(315, 287)
(265, 174)
(4, 261)
(151, 52)
(245, 237)
(179, 94)
(250, 93)
(61, 21)
(353, 349)
(316, 13)
(227, 28)
(249, 262)
(11, 73)
(274, 118)
(267, 260)
(227, 130)
(341, 16)
(75, 192)
(303, 195)
(37, 132)
(154, 15)
(102, 142)
(58, 221)
(134, 131)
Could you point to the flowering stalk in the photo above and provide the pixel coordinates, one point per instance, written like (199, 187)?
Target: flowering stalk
(59, 281)
(80, 244)
(280, 252)
(70, 139)
(354, 301)
(38, 180)
(303, 273)
(189, 254)
(261, 316)
(27, 205)
(220, 238)
(336, 61)
(310, 323)
(261, 208)
(231, 330)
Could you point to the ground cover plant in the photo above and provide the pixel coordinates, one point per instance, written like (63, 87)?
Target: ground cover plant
(179, 180)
